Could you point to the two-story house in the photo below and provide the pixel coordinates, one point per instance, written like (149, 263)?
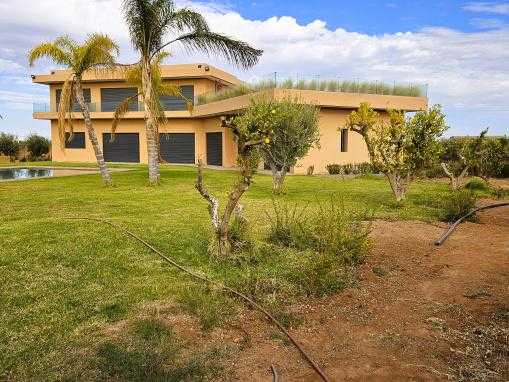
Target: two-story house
(198, 134)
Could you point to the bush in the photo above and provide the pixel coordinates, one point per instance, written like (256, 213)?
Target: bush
(334, 169)
(37, 146)
(477, 185)
(9, 145)
(331, 229)
(350, 168)
(458, 204)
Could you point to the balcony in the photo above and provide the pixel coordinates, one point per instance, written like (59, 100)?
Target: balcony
(94, 107)
(315, 83)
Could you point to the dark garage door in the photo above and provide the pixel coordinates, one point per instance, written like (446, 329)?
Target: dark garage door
(177, 147)
(215, 149)
(125, 148)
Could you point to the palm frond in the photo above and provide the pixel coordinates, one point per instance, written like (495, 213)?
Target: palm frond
(119, 113)
(66, 43)
(51, 51)
(234, 51)
(64, 110)
(187, 19)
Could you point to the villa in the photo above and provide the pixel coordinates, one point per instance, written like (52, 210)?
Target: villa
(188, 136)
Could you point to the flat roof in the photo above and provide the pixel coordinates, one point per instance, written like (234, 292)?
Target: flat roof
(324, 99)
(180, 71)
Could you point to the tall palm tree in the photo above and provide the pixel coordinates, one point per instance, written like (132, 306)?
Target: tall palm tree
(98, 53)
(149, 23)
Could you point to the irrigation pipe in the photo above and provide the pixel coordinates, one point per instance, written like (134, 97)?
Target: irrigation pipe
(451, 229)
(247, 299)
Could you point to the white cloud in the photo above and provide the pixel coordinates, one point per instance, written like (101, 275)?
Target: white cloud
(488, 7)
(466, 71)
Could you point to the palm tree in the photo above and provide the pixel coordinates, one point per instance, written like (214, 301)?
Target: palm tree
(98, 53)
(149, 22)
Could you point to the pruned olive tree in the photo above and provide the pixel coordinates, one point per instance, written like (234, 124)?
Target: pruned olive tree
(459, 156)
(252, 131)
(399, 147)
(295, 131)
(490, 159)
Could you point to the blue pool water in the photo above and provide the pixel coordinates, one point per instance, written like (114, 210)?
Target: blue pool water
(24, 173)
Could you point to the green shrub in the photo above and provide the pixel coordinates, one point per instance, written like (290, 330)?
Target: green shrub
(350, 168)
(477, 185)
(238, 235)
(458, 204)
(9, 145)
(332, 229)
(37, 146)
(319, 244)
(334, 169)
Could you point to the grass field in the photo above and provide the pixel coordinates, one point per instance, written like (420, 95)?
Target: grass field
(64, 284)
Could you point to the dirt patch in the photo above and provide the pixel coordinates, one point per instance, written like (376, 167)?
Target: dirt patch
(419, 312)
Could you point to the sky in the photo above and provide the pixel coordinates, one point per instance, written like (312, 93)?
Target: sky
(460, 49)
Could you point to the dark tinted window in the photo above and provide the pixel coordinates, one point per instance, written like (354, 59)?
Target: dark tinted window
(344, 140)
(112, 97)
(77, 141)
(75, 106)
(173, 103)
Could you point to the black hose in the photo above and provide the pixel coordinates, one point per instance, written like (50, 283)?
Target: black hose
(444, 237)
(251, 302)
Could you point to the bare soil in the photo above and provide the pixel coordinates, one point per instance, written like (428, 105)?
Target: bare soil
(418, 313)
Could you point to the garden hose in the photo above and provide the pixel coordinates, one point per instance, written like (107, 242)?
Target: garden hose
(444, 237)
(218, 284)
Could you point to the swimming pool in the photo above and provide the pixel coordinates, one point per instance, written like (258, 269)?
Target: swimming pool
(20, 173)
(24, 173)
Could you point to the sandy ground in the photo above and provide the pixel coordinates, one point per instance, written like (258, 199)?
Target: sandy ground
(430, 314)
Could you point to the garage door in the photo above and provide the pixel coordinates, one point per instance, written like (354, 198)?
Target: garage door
(125, 148)
(177, 147)
(215, 149)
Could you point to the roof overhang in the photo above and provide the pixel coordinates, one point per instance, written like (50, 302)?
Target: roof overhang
(323, 99)
(173, 72)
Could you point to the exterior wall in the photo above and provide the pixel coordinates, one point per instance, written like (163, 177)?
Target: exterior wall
(197, 126)
(201, 85)
(330, 123)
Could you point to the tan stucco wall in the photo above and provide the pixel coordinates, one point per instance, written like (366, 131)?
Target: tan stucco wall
(199, 127)
(329, 152)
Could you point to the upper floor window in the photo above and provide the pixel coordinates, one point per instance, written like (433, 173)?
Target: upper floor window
(174, 103)
(75, 106)
(344, 140)
(112, 97)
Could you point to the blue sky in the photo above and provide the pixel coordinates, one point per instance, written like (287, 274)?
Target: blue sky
(459, 48)
(372, 17)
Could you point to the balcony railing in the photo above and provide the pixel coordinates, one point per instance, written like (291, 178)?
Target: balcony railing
(93, 107)
(102, 107)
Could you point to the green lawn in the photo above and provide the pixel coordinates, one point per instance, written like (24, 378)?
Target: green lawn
(64, 283)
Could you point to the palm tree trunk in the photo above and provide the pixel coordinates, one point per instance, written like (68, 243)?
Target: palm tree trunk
(106, 176)
(150, 124)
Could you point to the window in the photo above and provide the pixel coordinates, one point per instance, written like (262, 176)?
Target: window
(344, 140)
(173, 103)
(77, 141)
(112, 97)
(76, 106)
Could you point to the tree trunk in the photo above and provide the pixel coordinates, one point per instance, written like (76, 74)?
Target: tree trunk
(222, 226)
(105, 174)
(150, 124)
(399, 185)
(456, 181)
(278, 179)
